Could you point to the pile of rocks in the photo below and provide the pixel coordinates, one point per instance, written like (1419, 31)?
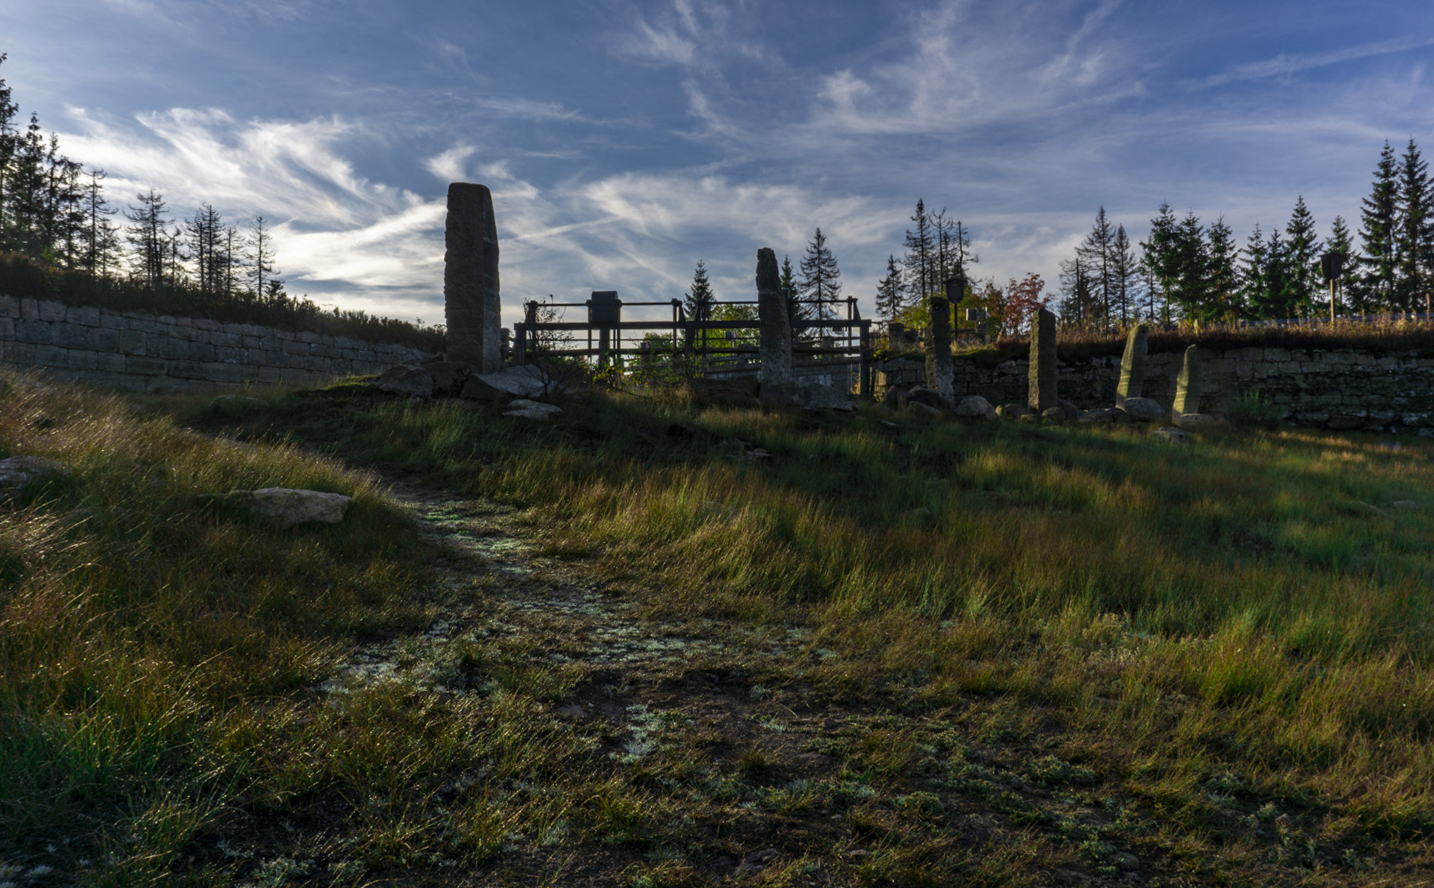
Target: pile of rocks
(454, 379)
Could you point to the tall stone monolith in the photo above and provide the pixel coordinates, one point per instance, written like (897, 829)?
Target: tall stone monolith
(775, 326)
(1132, 365)
(1042, 390)
(471, 306)
(938, 349)
(1187, 385)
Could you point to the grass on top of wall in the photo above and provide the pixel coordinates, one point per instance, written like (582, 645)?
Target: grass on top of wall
(22, 276)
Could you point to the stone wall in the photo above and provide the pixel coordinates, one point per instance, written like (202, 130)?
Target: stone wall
(140, 352)
(1338, 389)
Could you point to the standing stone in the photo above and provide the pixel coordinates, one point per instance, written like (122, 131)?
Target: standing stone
(471, 306)
(895, 336)
(938, 349)
(1042, 386)
(1187, 386)
(1132, 365)
(776, 327)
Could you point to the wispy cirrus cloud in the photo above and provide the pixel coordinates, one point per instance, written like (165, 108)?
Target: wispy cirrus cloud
(1283, 65)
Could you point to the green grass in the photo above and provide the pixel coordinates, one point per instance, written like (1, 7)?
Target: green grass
(1082, 649)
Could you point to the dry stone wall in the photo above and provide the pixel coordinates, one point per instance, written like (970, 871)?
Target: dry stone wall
(1336, 389)
(141, 352)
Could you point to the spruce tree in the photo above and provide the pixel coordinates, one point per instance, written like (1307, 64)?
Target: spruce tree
(1159, 258)
(1222, 278)
(1125, 276)
(98, 239)
(1253, 268)
(1302, 254)
(821, 279)
(1413, 233)
(1078, 297)
(920, 256)
(147, 235)
(698, 300)
(260, 256)
(1097, 255)
(1375, 284)
(1341, 242)
(1190, 268)
(889, 297)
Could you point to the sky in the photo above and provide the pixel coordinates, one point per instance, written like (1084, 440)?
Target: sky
(624, 141)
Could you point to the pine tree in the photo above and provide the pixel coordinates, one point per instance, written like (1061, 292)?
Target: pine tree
(821, 279)
(1252, 274)
(1341, 242)
(1096, 254)
(99, 239)
(9, 144)
(919, 257)
(1222, 278)
(1302, 254)
(1191, 258)
(1078, 296)
(889, 297)
(261, 256)
(1414, 232)
(147, 235)
(1125, 276)
(698, 300)
(204, 230)
(1159, 259)
(1375, 284)
(1278, 298)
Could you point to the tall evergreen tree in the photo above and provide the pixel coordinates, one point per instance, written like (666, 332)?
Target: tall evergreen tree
(1097, 255)
(99, 238)
(1302, 255)
(147, 236)
(698, 300)
(889, 296)
(261, 256)
(1222, 277)
(821, 279)
(1341, 242)
(1160, 260)
(1079, 301)
(1375, 283)
(1253, 269)
(1413, 233)
(1191, 258)
(9, 144)
(920, 256)
(1125, 277)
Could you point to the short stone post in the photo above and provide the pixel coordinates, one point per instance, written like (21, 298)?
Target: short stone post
(1132, 365)
(939, 370)
(775, 346)
(471, 306)
(1041, 393)
(895, 336)
(1187, 385)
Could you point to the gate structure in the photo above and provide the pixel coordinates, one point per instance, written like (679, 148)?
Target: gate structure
(833, 350)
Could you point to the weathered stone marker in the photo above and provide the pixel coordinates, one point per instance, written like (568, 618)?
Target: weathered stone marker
(471, 305)
(1042, 381)
(1132, 365)
(939, 370)
(775, 325)
(895, 336)
(1187, 385)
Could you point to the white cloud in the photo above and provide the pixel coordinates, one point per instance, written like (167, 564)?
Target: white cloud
(449, 166)
(1283, 65)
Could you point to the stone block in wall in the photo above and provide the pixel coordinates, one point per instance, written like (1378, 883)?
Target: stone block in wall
(9, 307)
(145, 366)
(29, 308)
(111, 321)
(186, 369)
(22, 353)
(82, 359)
(34, 330)
(255, 358)
(229, 355)
(307, 336)
(215, 371)
(84, 315)
(266, 375)
(70, 335)
(133, 342)
(225, 339)
(184, 322)
(54, 312)
(314, 363)
(109, 362)
(296, 348)
(51, 356)
(169, 347)
(7, 328)
(290, 376)
(248, 341)
(103, 340)
(170, 321)
(199, 351)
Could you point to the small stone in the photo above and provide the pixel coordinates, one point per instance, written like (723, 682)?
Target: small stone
(1168, 434)
(975, 406)
(288, 506)
(19, 472)
(758, 861)
(1403, 504)
(526, 409)
(1193, 422)
(1144, 410)
(922, 409)
(1102, 414)
(523, 381)
(922, 395)
(406, 379)
(1053, 415)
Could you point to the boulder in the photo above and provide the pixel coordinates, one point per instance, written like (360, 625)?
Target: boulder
(810, 395)
(1192, 422)
(1144, 410)
(288, 506)
(406, 379)
(975, 406)
(522, 381)
(526, 409)
(922, 395)
(922, 408)
(19, 472)
(1054, 415)
(448, 376)
(1103, 414)
(1013, 411)
(1069, 411)
(1168, 434)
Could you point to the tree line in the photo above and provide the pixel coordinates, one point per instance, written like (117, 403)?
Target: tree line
(1190, 271)
(54, 211)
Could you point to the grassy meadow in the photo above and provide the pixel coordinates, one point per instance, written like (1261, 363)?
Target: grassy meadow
(1122, 660)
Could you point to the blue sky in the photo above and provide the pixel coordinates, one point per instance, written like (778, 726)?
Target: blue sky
(623, 141)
